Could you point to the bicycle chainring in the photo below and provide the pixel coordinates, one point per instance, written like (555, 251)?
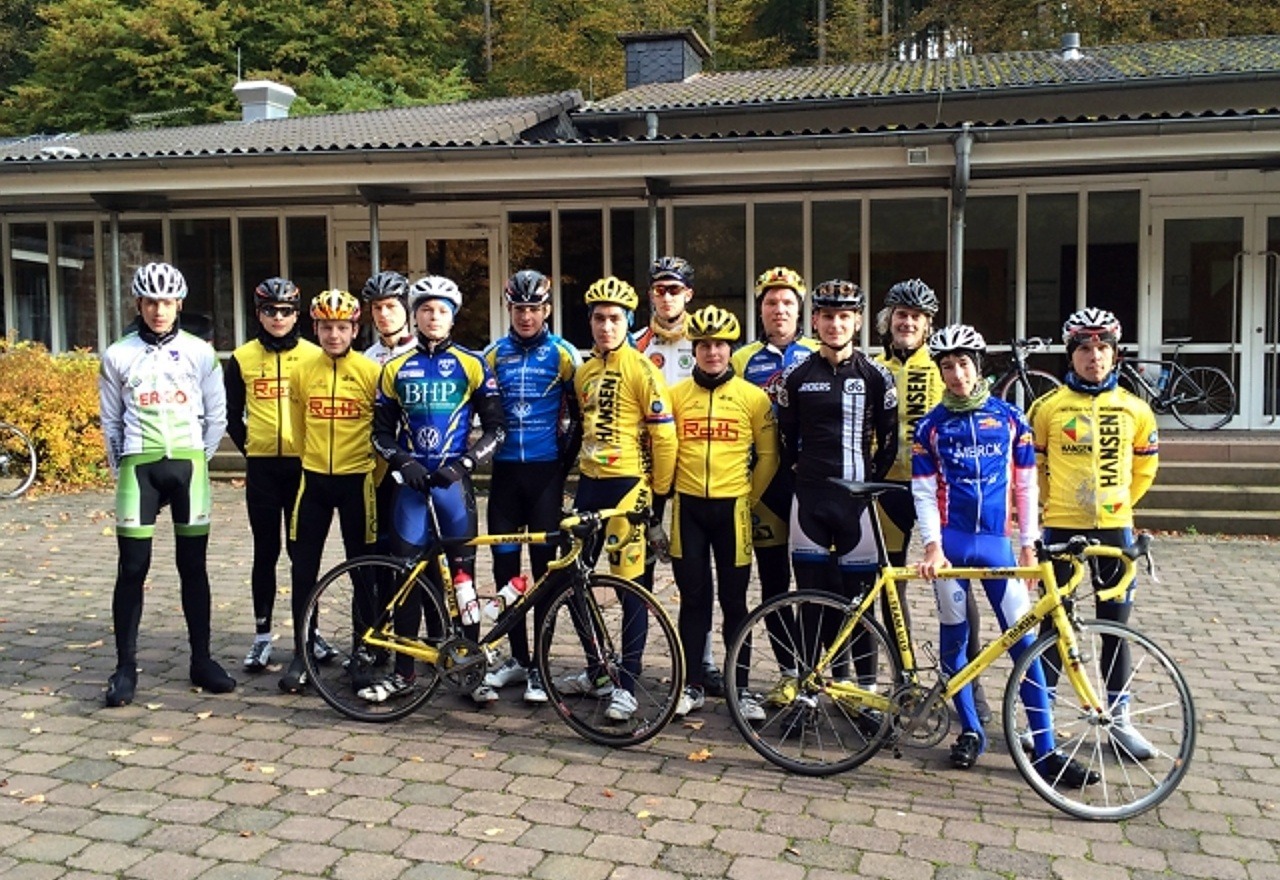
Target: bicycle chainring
(462, 664)
(929, 729)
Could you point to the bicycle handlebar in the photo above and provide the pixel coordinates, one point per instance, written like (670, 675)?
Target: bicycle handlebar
(1078, 548)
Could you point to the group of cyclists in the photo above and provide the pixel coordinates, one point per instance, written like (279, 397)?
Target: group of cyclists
(738, 441)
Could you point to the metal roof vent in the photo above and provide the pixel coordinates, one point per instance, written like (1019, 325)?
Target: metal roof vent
(1071, 47)
(263, 99)
(59, 152)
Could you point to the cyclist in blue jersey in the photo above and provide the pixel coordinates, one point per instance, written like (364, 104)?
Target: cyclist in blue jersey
(425, 404)
(973, 457)
(534, 369)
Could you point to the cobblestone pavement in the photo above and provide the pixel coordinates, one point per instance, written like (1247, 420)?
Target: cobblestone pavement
(257, 785)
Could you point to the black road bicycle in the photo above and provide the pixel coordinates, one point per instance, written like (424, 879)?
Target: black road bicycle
(1020, 384)
(1201, 398)
(17, 461)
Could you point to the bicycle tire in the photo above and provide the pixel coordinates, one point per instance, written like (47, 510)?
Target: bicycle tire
(571, 643)
(1159, 707)
(1203, 398)
(17, 461)
(1039, 383)
(806, 730)
(340, 610)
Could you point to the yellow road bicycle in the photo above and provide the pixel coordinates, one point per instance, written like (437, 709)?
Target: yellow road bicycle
(585, 647)
(838, 690)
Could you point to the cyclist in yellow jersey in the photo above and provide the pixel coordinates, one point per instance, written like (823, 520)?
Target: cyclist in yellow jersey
(1097, 451)
(728, 453)
(331, 404)
(628, 454)
(258, 422)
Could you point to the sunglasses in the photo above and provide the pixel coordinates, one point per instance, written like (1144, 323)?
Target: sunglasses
(668, 289)
(278, 311)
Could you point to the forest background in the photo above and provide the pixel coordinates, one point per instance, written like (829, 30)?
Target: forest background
(94, 65)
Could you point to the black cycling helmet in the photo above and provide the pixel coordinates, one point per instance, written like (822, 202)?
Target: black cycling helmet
(671, 269)
(528, 287)
(385, 285)
(913, 294)
(276, 290)
(838, 294)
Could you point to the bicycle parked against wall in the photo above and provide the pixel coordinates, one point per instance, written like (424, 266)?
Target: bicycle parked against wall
(582, 649)
(843, 690)
(1201, 398)
(1020, 384)
(17, 461)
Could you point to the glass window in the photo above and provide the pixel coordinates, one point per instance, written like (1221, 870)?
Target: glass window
(1051, 262)
(713, 238)
(1111, 280)
(1199, 278)
(837, 242)
(466, 262)
(141, 242)
(202, 251)
(529, 238)
(259, 260)
(581, 264)
(308, 242)
(990, 263)
(29, 245)
(908, 240)
(77, 285)
(779, 237)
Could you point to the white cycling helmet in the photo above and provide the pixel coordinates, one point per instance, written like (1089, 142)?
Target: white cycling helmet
(434, 287)
(1091, 323)
(159, 281)
(957, 339)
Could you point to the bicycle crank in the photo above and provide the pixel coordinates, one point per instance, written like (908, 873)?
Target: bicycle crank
(462, 664)
(920, 719)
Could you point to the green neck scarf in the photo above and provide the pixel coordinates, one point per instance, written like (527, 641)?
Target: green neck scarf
(977, 397)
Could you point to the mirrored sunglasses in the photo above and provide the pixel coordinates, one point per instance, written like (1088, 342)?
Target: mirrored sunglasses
(278, 311)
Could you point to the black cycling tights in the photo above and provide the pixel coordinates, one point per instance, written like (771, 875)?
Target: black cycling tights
(131, 571)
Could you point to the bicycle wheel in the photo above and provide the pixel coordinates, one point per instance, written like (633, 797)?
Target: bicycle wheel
(17, 461)
(1021, 393)
(596, 647)
(1154, 697)
(348, 600)
(796, 723)
(1203, 398)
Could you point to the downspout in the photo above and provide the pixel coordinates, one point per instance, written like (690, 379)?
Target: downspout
(114, 329)
(375, 247)
(959, 192)
(651, 132)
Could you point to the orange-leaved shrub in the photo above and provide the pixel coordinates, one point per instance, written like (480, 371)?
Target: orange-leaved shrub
(53, 399)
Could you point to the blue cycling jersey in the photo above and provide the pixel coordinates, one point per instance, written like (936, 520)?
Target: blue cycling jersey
(535, 377)
(762, 363)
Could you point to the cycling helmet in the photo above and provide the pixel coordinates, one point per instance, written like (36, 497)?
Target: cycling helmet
(335, 305)
(1091, 323)
(612, 291)
(912, 294)
(671, 269)
(957, 339)
(837, 294)
(780, 276)
(712, 322)
(276, 290)
(528, 287)
(434, 287)
(159, 281)
(385, 285)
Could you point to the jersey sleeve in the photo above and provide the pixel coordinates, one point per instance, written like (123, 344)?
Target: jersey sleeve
(924, 483)
(1026, 486)
(111, 410)
(1038, 417)
(233, 381)
(386, 415)
(486, 401)
(886, 423)
(569, 429)
(764, 432)
(214, 395)
(1146, 452)
(659, 423)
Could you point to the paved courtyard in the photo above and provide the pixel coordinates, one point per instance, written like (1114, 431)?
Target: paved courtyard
(259, 785)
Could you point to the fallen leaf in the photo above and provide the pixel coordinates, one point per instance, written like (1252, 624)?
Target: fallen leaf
(34, 799)
(479, 754)
(416, 759)
(121, 753)
(267, 770)
(203, 715)
(694, 725)
(315, 792)
(155, 706)
(27, 716)
(643, 814)
(86, 646)
(492, 832)
(36, 730)
(246, 834)
(608, 792)
(700, 755)
(475, 860)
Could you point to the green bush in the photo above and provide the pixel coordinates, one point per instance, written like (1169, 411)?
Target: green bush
(54, 400)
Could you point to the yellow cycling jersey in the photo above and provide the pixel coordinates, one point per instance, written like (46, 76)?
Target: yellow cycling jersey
(920, 388)
(331, 404)
(1096, 455)
(722, 432)
(627, 426)
(263, 423)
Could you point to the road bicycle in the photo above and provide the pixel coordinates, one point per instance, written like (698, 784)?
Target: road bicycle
(17, 461)
(1019, 384)
(842, 690)
(584, 647)
(1201, 398)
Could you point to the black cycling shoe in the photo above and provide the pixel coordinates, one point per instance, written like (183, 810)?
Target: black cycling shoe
(712, 681)
(1061, 770)
(295, 680)
(207, 674)
(121, 685)
(965, 750)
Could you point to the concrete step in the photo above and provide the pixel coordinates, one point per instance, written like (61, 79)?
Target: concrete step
(1216, 473)
(1237, 447)
(1242, 497)
(1208, 522)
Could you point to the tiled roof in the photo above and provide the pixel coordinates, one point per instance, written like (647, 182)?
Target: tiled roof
(1010, 71)
(468, 123)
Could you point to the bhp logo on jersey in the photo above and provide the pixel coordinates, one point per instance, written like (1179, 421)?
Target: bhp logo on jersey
(161, 398)
(335, 408)
(269, 389)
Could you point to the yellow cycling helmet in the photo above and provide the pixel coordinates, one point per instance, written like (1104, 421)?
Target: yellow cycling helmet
(780, 276)
(335, 305)
(712, 322)
(612, 291)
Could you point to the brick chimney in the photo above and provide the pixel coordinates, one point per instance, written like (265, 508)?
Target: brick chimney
(663, 56)
(263, 99)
